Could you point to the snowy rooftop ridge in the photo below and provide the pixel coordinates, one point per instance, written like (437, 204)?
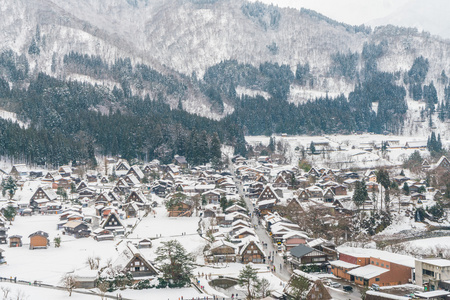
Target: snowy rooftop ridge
(436, 262)
(395, 258)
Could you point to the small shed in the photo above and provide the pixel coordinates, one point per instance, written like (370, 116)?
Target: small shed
(15, 241)
(2, 258)
(26, 212)
(144, 243)
(39, 240)
(85, 279)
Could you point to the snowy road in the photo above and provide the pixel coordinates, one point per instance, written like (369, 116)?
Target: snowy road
(280, 268)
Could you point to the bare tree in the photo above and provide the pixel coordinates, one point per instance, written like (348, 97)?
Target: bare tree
(20, 295)
(68, 281)
(103, 287)
(6, 291)
(264, 288)
(93, 262)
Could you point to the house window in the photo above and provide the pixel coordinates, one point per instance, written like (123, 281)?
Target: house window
(316, 259)
(387, 266)
(382, 265)
(377, 264)
(372, 262)
(249, 251)
(377, 279)
(255, 251)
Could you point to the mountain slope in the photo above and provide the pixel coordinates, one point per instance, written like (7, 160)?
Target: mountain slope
(179, 37)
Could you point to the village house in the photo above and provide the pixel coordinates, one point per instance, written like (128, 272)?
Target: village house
(113, 224)
(39, 240)
(3, 235)
(19, 170)
(122, 165)
(252, 252)
(221, 252)
(136, 171)
(15, 241)
(315, 289)
(2, 257)
(144, 243)
(376, 266)
(65, 171)
(77, 228)
(433, 273)
(303, 255)
(41, 197)
(293, 239)
(101, 234)
(131, 260)
(180, 209)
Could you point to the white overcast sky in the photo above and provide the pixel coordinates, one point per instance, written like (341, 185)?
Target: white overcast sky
(354, 12)
(428, 15)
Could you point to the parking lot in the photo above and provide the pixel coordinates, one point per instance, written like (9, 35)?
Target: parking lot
(337, 292)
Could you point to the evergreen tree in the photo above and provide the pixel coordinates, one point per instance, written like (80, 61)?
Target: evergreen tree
(9, 186)
(406, 188)
(215, 151)
(312, 147)
(176, 264)
(248, 279)
(34, 48)
(360, 194)
(9, 213)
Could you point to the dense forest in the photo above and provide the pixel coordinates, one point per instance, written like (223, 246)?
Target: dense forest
(64, 127)
(71, 121)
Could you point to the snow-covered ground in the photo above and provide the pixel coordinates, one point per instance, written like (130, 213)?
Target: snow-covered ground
(49, 265)
(12, 117)
(350, 151)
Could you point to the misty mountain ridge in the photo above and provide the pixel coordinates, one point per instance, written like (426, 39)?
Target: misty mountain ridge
(182, 39)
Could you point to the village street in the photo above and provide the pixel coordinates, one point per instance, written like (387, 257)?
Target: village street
(269, 249)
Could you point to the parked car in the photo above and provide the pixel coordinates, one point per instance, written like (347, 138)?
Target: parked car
(335, 284)
(375, 287)
(348, 288)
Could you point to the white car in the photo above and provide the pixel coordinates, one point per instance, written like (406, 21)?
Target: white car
(335, 284)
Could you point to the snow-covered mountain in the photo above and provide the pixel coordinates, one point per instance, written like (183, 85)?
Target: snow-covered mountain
(431, 16)
(184, 36)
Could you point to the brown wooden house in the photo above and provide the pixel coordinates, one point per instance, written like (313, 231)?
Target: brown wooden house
(15, 241)
(267, 194)
(131, 260)
(39, 240)
(221, 251)
(315, 290)
(113, 224)
(181, 209)
(134, 170)
(251, 252)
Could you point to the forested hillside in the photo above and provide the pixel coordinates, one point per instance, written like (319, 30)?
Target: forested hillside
(133, 78)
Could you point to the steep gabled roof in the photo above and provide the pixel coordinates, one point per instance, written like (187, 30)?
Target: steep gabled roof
(39, 233)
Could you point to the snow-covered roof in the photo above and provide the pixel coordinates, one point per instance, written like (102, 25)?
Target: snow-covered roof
(400, 259)
(386, 295)
(433, 294)
(308, 276)
(436, 262)
(343, 264)
(294, 234)
(368, 272)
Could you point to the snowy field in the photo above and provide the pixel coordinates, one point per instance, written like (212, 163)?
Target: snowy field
(49, 265)
(349, 149)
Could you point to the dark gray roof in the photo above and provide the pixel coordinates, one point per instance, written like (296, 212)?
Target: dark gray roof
(301, 250)
(45, 234)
